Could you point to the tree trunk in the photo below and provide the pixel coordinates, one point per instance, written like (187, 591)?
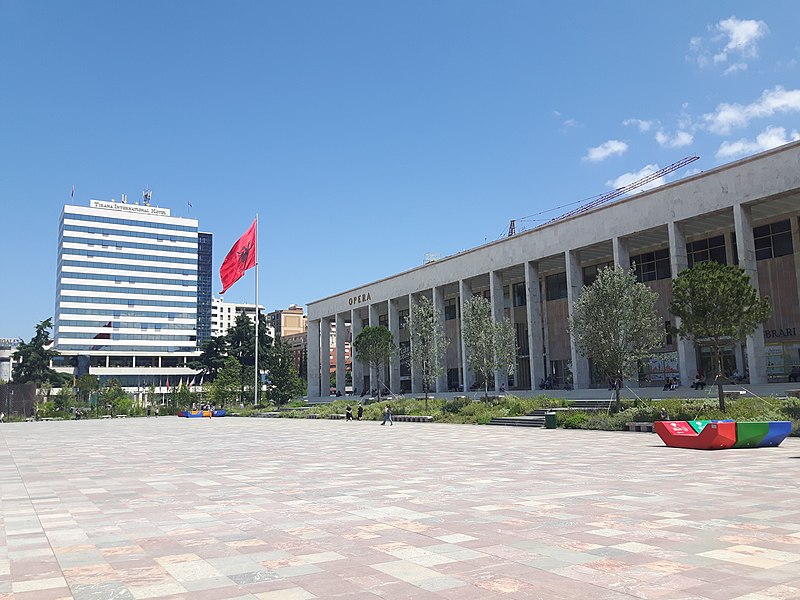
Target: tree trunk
(720, 392)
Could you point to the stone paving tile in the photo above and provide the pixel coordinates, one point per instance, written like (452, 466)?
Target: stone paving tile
(251, 508)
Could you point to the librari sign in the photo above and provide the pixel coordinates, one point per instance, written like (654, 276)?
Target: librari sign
(779, 333)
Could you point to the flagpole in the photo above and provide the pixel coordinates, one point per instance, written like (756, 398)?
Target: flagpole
(256, 387)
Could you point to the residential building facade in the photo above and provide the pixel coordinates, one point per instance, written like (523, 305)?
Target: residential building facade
(223, 315)
(288, 321)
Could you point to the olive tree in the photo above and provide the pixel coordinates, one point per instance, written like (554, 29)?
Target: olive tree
(491, 345)
(428, 342)
(374, 347)
(717, 306)
(615, 323)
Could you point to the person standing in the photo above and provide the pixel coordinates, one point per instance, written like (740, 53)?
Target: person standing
(348, 413)
(387, 415)
(360, 412)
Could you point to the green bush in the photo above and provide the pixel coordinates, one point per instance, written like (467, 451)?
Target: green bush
(573, 419)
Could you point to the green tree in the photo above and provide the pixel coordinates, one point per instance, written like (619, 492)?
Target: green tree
(284, 381)
(212, 357)
(225, 388)
(86, 384)
(717, 306)
(64, 399)
(428, 342)
(374, 346)
(114, 399)
(615, 323)
(241, 345)
(303, 369)
(180, 396)
(33, 358)
(491, 345)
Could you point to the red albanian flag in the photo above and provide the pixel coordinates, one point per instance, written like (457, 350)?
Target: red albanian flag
(240, 258)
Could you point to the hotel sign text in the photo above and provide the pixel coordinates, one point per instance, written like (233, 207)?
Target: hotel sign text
(130, 208)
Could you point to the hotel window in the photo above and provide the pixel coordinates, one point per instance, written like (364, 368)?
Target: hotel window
(556, 286)
(711, 249)
(383, 321)
(652, 265)
(773, 240)
(402, 315)
(450, 309)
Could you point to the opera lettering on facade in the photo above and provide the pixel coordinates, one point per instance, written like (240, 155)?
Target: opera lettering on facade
(359, 299)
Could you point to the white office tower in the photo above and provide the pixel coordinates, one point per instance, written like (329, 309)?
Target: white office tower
(126, 293)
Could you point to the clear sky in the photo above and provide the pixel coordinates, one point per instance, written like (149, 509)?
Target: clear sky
(366, 133)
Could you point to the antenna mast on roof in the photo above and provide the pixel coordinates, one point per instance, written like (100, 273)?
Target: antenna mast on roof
(628, 188)
(620, 191)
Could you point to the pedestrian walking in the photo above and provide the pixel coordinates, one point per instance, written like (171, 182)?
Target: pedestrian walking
(348, 413)
(387, 415)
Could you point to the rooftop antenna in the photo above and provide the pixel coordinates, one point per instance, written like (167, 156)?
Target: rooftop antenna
(608, 196)
(146, 195)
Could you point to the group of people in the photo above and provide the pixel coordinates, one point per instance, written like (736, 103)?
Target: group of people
(348, 412)
(387, 413)
(699, 382)
(671, 383)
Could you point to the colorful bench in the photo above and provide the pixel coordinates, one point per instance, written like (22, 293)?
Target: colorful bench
(718, 435)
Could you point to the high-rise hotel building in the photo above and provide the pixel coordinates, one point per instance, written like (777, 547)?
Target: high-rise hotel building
(133, 293)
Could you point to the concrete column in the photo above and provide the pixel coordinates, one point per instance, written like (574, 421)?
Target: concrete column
(756, 356)
(496, 293)
(312, 337)
(325, 356)
(580, 364)
(679, 260)
(416, 380)
(533, 301)
(394, 363)
(374, 320)
(358, 366)
(341, 367)
(622, 255)
(467, 376)
(438, 304)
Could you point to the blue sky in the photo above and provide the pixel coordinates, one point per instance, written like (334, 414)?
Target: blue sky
(366, 133)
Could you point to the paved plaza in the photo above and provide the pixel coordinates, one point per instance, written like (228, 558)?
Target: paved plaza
(293, 509)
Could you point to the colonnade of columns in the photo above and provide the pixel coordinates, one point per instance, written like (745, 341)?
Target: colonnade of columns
(319, 329)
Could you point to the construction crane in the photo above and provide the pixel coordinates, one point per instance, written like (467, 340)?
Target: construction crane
(620, 191)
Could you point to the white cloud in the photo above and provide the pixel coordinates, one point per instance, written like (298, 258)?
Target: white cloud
(628, 178)
(735, 67)
(742, 37)
(771, 137)
(570, 123)
(680, 139)
(605, 150)
(641, 124)
(729, 116)
(731, 39)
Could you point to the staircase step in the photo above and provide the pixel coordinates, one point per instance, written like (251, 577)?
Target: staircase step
(518, 421)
